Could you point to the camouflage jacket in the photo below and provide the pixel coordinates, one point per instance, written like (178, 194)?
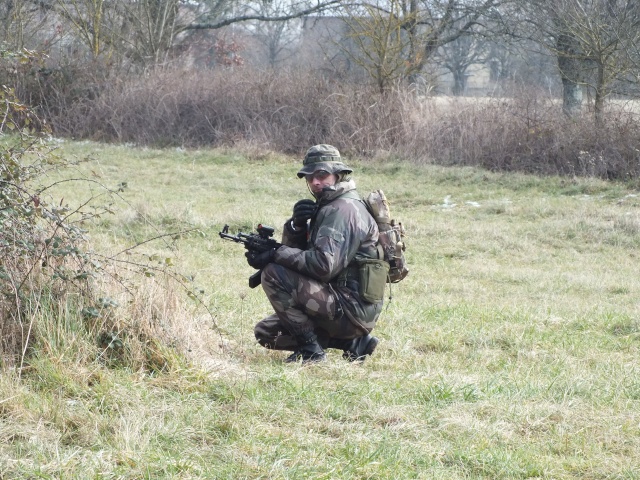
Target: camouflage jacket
(341, 232)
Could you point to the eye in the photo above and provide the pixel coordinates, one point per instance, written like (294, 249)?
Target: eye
(320, 175)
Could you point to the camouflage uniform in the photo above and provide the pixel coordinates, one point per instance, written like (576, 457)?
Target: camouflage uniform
(312, 283)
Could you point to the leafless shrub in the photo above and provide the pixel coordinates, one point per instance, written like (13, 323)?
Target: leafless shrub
(50, 300)
(285, 112)
(527, 132)
(288, 111)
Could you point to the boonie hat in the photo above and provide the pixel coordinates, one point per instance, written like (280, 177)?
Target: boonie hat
(322, 157)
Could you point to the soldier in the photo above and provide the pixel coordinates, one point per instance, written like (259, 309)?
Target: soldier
(313, 280)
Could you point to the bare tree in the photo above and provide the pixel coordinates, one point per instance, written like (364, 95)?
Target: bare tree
(425, 25)
(379, 44)
(12, 23)
(592, 40)
(24, 25)
(432, 24)
(242, 12)
(149, 29)
(145, 31)
(275, 40)
(606, 31)
(460, 54)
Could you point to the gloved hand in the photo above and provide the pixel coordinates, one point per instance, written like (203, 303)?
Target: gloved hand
(260, 260)
(303, 210)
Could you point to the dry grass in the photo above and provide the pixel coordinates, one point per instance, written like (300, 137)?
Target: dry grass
(509, 352)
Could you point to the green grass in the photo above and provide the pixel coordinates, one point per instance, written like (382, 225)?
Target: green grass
(511, 350)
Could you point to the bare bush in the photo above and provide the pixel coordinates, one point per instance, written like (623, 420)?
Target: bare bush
(284, 112)
(288, 111)
(50, 301)
(41, 255)
(528, 132)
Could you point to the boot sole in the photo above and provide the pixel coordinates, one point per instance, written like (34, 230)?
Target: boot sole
(305, 360)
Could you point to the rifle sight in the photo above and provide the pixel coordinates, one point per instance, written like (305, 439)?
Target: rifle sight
(264, 231)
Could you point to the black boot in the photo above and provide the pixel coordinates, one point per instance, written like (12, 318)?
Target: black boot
(309, 350)
(359, 348)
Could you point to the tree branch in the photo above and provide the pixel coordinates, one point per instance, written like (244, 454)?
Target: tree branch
(262, 18)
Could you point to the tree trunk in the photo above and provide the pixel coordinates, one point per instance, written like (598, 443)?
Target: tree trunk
(571, 97)
(459, 83)
(598, 104)
(568, 50)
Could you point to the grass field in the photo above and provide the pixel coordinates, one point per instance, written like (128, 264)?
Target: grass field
(510, 352)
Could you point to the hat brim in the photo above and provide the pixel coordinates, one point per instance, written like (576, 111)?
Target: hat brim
(331, 167)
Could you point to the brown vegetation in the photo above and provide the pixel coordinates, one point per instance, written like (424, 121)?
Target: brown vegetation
(288, 111)
(50, 299)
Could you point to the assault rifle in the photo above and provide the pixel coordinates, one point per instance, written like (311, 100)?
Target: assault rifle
(254, 243)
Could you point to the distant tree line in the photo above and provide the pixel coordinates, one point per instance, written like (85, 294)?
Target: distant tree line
(586, 49)
(592, 46)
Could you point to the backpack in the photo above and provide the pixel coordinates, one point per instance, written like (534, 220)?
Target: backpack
(391, 237)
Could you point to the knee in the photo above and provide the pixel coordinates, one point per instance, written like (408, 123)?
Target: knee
(276, 278)
(271, 271)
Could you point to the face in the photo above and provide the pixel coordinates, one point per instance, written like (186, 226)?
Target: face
(320, 179)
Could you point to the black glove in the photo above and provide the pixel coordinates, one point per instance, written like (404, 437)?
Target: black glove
(260, 260)
(303, 210)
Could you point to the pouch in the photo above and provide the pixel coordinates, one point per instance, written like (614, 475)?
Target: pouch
(373, 275)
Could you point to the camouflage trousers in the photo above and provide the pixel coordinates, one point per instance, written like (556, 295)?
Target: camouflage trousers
(301, 305)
